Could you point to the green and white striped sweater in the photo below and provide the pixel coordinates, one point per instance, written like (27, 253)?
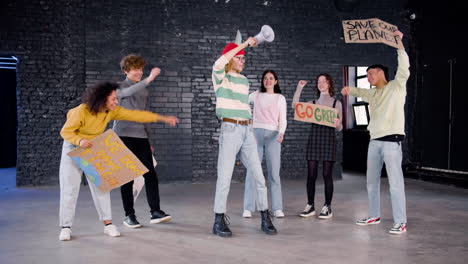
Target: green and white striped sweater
(232, 92)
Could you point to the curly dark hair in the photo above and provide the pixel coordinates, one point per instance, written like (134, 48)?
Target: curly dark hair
(276, 89)
(95, 96)
(132, 61)
(331, 85)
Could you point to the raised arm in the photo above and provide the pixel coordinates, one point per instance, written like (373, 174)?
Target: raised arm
(402, 75)
(251, 41)
(297, 94)
(129, 91)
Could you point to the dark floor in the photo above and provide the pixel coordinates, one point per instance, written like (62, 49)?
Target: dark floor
(437, 228)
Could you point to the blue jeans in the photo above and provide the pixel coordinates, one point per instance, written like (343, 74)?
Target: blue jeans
(390, 153)
(266, 139)
(232, 140)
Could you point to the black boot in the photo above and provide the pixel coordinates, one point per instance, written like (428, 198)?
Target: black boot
(267, 225)
(220, 226)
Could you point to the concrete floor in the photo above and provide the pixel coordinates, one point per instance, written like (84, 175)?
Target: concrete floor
(438, 228)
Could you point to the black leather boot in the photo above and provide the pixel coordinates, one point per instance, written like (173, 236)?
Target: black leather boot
(267, 225)
(220, 226)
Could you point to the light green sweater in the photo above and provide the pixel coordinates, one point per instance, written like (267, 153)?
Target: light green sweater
(386, 105)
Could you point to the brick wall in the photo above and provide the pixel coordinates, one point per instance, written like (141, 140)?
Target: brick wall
(63, 46)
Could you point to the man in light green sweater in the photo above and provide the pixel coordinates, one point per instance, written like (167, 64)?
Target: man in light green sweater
(387, 130)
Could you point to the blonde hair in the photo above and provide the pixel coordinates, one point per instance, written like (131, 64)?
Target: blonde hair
(229, 66)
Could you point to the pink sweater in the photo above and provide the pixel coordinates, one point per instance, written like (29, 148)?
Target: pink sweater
(269, 111)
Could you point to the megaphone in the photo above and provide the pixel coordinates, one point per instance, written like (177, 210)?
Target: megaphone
(266, 34)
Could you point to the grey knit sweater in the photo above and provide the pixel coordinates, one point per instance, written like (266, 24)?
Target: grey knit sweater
(132, 95)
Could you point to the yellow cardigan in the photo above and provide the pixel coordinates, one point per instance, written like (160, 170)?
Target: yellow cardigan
(82, 124)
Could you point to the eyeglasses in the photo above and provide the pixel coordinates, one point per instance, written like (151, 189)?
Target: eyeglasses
(241, 58)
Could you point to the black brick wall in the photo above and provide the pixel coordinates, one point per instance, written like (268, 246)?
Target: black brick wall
(48, 39)
(65, 45)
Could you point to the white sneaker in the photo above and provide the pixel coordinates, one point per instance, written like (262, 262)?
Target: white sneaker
(65, 234)
(111, 230)
(247, 214)
(279, 214)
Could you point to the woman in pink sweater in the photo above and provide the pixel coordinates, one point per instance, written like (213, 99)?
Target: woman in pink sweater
(269, 123)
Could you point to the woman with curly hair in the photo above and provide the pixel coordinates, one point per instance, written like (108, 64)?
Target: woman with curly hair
(83, 123)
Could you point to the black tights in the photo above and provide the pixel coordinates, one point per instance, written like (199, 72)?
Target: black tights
(327, 179)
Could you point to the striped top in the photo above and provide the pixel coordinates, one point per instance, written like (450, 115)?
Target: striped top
(232, 92)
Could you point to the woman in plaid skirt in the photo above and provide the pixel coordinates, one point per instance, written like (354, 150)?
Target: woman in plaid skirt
(321, 145)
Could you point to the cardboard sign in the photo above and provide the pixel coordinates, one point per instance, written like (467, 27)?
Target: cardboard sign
(108, 163)
(317, 114)
(371, 30)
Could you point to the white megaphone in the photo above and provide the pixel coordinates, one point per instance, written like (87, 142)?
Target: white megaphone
(266, 34)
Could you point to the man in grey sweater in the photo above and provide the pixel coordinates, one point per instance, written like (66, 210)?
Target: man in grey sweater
(133, 94)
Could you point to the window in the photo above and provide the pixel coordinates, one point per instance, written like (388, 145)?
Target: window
(361, 114)
(361, 80)
(8, 62)
(356, 110)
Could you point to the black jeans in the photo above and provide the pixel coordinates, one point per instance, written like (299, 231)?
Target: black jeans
(142, 149)
(327, 179)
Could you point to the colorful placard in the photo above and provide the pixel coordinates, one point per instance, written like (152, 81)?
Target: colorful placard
(108, 163)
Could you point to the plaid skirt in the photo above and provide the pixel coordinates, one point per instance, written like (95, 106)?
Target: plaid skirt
(321, 145)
